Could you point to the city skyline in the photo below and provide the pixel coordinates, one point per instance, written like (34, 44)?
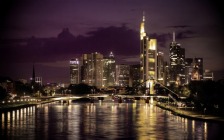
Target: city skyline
(103, 27)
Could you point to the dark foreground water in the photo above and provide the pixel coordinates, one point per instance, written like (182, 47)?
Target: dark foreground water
(76, 121)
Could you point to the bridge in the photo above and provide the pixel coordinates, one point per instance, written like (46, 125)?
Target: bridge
(120, 97)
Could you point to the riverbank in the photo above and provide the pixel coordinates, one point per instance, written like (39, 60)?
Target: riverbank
(190, 113)
(14, 106)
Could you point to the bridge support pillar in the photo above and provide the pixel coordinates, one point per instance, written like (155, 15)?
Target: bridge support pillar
(119, 100)
(92, 100)
(100, 98)
(147, 100)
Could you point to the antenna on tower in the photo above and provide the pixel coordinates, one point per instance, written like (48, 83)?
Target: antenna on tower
(143, 18)
(173, 36)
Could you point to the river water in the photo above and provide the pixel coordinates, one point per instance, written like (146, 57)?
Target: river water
(103, 120)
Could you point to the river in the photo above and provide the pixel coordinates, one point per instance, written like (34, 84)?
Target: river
(103, 120)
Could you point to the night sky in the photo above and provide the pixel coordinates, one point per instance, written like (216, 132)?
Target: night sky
(31, 32)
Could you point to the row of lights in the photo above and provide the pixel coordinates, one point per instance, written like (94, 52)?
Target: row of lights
(13, 101)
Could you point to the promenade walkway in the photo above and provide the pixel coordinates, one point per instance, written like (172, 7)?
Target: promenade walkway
(191, 113)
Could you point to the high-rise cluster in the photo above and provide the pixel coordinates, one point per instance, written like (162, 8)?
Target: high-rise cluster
(96, 70)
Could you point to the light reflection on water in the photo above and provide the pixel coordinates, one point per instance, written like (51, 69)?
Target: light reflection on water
(103, 121)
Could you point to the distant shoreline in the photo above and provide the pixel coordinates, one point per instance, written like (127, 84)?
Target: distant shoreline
(194, 115)
(15, 106)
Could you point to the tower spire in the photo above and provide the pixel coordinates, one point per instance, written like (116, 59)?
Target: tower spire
(173, 36)
(142, 27)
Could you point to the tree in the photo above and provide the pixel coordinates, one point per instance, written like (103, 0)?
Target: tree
(3, 93)
(81, 88)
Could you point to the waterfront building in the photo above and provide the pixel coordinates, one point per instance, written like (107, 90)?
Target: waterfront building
(74, 71)
(177, 64)
(92, 69)
(148, 58)
(109, 69)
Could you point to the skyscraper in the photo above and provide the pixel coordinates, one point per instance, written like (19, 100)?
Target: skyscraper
(109, 68)
(177, 64)
(160, 67)
(148, 58)
(134, 75)
(92, 69)
(122, 75)
(74, 71)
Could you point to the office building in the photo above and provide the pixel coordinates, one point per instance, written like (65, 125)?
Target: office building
(148, 59)
(177, 62)
(134, 75)
(74, 71)
(109, 69)
(122, 75)
(92, 69)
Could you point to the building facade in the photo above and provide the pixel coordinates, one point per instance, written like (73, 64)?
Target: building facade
(193, 69)
(109, 69)
(208, 75)
(134, 75)
(122, 75)
(160, 67)
(177, 62)
(148, 59)
(74, 71)
(92, 69)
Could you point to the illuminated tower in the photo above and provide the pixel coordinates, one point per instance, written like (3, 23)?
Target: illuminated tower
(74, 71)
(148, 58)
(177, 62)
(109, 68)
(92, 69)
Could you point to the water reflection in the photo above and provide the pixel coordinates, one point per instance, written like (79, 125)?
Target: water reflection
(103, 121)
